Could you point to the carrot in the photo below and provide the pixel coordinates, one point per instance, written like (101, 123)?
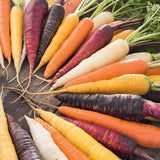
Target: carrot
(119, 144)
(5, 29)
(70, 6)
(64, 30)
(115, 105)
(16, 25)
(44, 142)
(111, 71)
(24, 145)
(154, 78)
(72, 152)
(153, 96)
(7, 150)
(69, 46)
(78, 137)
(115, 23)
(143, 134)
(122, 35)
(154, 71)
(147, 57)
(53, 21)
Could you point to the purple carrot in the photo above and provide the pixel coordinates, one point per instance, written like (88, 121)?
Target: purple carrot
(153, 96)
(24, 145)
(119, 144)
(34, 15)
(124, 106)
(53, 21)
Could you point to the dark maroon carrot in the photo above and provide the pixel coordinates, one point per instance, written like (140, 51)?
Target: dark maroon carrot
(124, 106)
(153, 96)
(34, 15)
(114, 141)
(99, 38)
(54, 19)
(24, 145)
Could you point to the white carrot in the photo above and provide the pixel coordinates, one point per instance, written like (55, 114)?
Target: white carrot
(147, 57)
(44, 142)
(107, 55)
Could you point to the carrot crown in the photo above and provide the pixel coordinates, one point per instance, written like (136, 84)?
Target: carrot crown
(86, 6)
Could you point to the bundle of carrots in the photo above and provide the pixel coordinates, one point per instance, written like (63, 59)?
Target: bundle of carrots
(87, 56)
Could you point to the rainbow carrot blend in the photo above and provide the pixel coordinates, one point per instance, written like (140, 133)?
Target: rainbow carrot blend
(143, 134)
(119, 144)
(111, 71)
(71, 151)
(24, 145)
(78, 137)
(115, 105)
(7, 150)
(64, 30)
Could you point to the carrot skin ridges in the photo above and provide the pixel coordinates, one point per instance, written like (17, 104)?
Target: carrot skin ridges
(111, 71)
(34, 15)
(4, 28)
(54, 19)
(115, 105)
(143, 134)
(97, 40)
(117, 143)
(71, 151)
(24, 145)
(69, 46)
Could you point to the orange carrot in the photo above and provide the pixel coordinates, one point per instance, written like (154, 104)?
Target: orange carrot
(154, 71)
(110, 71)
(69, 46)
(70, 6)
(143, 134)
(4, 29)
(71, 151)
(122, 35)
(115, 23)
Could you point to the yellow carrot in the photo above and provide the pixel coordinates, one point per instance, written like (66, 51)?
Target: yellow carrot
(154, 78)
(16, 23)
(51, 2)
(122, 35)
(7, 150)
(68, 24)
(86, 143)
